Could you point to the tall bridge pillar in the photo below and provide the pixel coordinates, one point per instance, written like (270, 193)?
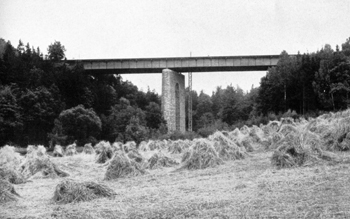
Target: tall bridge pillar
(173, 100)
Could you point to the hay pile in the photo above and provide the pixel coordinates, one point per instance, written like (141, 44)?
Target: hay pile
(71, 150)
(121, 166)
(69, 191)
(177, 147)
(159, 160)
(88, 149)
(143, 146)
(10, 162)
(104, 151)
(9, 157)
(227, 149)
(136, 156)
(287, 128)
(336, 136)
(117, 146)
(12, 175)
(7, 192)
(129, 146)
(58, 151)
(38, 162)
(300, 148)
(201, 155)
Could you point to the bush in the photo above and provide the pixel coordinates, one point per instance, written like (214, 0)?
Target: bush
(79, 124)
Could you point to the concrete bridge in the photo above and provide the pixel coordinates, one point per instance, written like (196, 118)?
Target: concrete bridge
(173, 82)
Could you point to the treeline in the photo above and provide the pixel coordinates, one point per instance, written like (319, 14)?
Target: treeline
(43, 101)
(307, 85)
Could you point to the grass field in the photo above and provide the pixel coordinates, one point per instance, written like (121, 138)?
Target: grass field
(249, 188)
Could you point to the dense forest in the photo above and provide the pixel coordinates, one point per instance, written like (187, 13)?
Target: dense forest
(45, 101)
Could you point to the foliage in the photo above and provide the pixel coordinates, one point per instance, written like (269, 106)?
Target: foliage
(79, 123)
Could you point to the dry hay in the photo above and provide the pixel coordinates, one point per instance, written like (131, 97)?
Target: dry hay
(275, 139)
(71, 150)
(58, 151)
(201, 155)
(69, 191)
(159, 160)
(88, 149)
(176, 147)
(143, 146)
(39, 150)
(287, 128)
(9, 157)
(7, 192)
(244, 130)
(300, 148)
(272, 126)
(287, 120)
(12, 175)
(136, 156)
(104, 152)
(337, 137)
(227, 149)
(156, 145)
(117, 146)
(37, 162)
(129, 146)
(121, 166)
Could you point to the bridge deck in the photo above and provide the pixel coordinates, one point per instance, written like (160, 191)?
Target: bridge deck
(179, 64)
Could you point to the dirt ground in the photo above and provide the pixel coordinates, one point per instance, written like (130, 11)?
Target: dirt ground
(249, 188)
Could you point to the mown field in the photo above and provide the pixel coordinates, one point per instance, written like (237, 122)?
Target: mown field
(247, 187)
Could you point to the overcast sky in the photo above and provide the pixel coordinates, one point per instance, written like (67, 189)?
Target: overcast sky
(152, 28)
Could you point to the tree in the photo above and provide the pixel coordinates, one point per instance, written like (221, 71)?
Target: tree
(10, 118)
(56, 51)
(79, 124)
(154, 118)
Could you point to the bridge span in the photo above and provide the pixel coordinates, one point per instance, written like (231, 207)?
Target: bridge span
(173, 82)
(178, 64)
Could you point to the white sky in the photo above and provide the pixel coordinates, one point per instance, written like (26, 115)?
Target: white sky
(162, 28)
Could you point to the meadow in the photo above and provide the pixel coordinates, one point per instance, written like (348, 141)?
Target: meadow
(285, 169)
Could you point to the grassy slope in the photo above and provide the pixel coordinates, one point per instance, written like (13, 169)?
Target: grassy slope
(249, 188)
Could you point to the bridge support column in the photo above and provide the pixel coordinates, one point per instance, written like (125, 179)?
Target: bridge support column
(173, 100)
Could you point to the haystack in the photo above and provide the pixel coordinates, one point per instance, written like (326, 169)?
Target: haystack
(128, 146)
(36, 161)
(7, 192)
(300, 148)
(69, 191)
(117, 146)
(201, 155)
(226, 148)
(121, 166)
(287, 128)
(71, 150)
(136, 156)
(39, 150)
(159, 160)
(177, 147)
(337, 137)
(88, 149)
(58, 151)
(12, 175)
(143, 146)
(244, 129)
(104, 151)
(9, 157)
